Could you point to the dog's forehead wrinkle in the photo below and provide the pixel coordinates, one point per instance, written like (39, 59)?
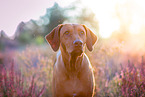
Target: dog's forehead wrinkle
(67, 28)
(79, 28)
(72, 27)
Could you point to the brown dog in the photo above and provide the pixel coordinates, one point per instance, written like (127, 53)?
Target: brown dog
(73, 74)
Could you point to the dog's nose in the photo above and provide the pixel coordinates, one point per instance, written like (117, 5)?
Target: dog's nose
(78, 42)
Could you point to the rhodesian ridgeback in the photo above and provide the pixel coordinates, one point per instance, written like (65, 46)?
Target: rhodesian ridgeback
(72, 73)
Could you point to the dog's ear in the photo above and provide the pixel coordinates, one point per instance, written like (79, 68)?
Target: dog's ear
(53, 38)
(91, 38)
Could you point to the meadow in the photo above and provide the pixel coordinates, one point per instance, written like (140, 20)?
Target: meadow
(119, 70)
(118, 57)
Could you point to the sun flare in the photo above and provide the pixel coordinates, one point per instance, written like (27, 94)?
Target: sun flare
(104, 13)
(112, 14)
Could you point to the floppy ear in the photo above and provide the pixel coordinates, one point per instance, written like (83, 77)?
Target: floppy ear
(91, 38)
(53, 38)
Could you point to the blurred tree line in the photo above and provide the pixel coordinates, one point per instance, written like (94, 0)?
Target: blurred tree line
(34, 31)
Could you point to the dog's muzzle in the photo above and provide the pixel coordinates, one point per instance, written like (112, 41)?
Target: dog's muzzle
(77, 43)
(78, 47)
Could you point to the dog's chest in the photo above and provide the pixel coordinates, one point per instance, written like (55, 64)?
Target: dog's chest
(73, 86)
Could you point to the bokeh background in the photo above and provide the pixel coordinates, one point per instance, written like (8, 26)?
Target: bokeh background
(26, 60)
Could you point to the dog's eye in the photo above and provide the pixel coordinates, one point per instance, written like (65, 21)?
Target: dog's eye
(82, 32)
(66, 33)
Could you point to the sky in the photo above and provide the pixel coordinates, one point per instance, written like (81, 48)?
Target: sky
(12, 12)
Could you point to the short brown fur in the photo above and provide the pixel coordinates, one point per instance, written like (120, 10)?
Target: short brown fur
(72, 74)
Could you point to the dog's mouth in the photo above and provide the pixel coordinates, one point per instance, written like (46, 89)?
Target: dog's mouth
(75, 54)
(77, 51)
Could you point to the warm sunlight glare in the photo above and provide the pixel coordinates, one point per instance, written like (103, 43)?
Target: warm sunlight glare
(138, 19)
(130, 14)
(107, 27)
(104, 13)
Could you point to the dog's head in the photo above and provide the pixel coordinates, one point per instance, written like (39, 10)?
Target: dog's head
(72, 38)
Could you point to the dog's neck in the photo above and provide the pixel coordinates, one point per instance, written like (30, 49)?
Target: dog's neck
(71, 62)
